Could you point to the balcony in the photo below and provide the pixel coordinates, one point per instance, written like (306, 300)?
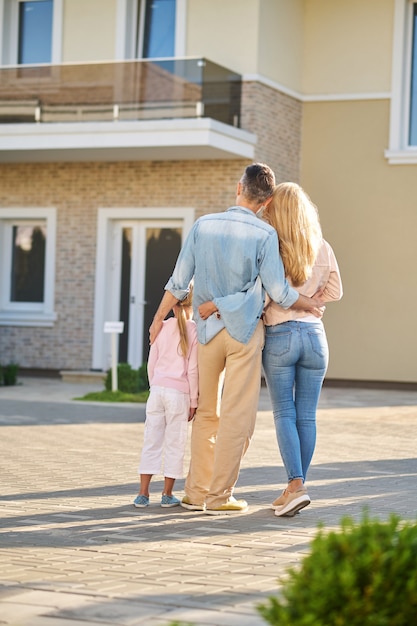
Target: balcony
(152, 109)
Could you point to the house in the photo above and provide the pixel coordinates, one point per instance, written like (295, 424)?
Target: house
(123, 121)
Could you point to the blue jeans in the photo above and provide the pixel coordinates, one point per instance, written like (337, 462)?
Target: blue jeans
(295, 359)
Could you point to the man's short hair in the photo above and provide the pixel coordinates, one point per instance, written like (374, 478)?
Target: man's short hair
(258, 182)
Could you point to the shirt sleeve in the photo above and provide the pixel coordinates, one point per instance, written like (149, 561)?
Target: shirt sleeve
(184, 268)
(333, 289)
(271, 271)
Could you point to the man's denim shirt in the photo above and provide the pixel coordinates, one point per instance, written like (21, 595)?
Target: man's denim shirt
(233, 257)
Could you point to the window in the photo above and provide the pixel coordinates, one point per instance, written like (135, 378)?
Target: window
(157, 29)
(27, 244)
(35, 32)
(413, 90)
(149, 29)
(27, 277)
(403, 121)
(30, 32)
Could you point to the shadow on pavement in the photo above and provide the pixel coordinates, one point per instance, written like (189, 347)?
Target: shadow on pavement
(23, 413)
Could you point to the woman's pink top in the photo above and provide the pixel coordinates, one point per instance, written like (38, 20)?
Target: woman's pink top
(325, 275)
(166, 365)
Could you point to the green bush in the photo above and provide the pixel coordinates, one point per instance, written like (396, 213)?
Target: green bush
(8, 374)
(363, 575)
(143, 377)
(129, 380)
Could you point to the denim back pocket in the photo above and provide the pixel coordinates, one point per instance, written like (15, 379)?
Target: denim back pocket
(318, 341)
(277, 340)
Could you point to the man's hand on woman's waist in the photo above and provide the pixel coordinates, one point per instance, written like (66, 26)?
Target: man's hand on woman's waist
(313, 305)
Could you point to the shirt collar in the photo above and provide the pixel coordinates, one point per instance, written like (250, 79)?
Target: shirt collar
(243, 209)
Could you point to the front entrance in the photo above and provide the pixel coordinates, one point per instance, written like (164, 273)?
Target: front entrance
(147, 257)
(137, 262)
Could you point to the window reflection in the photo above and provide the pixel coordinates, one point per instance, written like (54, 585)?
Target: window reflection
(28, 263)
(162, 248)
(125, 293)
(35, 32)
(159, 34)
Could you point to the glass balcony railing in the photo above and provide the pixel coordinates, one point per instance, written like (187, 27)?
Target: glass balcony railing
(128, 90)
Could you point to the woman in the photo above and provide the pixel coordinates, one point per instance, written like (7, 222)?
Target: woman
(295, 356)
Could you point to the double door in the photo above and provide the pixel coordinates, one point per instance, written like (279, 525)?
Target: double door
(144, 255)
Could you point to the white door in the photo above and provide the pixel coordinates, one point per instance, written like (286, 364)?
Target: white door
(135, 257)
(143, 257)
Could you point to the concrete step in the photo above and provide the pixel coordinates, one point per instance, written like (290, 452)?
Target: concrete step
(78, 376)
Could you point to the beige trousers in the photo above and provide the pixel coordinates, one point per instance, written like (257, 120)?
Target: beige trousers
(220, 439)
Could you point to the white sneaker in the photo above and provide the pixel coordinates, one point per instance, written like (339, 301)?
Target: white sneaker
(294, 502)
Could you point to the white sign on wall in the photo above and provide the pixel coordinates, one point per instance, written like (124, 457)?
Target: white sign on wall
(114, 327)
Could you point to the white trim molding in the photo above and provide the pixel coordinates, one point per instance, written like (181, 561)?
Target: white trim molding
(57, 29)
(129, 40)
(319, 97)
(9, 37)
(180, 28)
(399, 152)
(341, 97)
(402, 157)
(28, 314)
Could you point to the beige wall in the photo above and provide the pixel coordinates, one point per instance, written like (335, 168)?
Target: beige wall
(368, 213)
(347, 46)
(281, 42)
(89, 30)
(250, 36)
(309, 46)
(226, 32)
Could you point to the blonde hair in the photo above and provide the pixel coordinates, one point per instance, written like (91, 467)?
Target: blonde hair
(296, 220)
(182, 315)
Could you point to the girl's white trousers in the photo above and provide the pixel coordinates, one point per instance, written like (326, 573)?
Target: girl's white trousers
(166, 430)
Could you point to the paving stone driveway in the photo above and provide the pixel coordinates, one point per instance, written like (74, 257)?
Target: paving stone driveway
(74, 551)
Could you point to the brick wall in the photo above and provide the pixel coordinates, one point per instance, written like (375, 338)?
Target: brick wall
(276, 120)
(77, 190)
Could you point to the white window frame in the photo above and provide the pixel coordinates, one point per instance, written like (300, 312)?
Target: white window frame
(27, 313)
(9, 31)
(399, 151)
(127, 43)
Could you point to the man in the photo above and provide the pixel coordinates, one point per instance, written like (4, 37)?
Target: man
(233, 257)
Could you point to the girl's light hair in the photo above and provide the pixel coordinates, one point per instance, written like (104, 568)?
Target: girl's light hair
(296, 220)
(182, 316)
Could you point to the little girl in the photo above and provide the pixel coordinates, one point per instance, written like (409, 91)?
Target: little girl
(173, 379)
